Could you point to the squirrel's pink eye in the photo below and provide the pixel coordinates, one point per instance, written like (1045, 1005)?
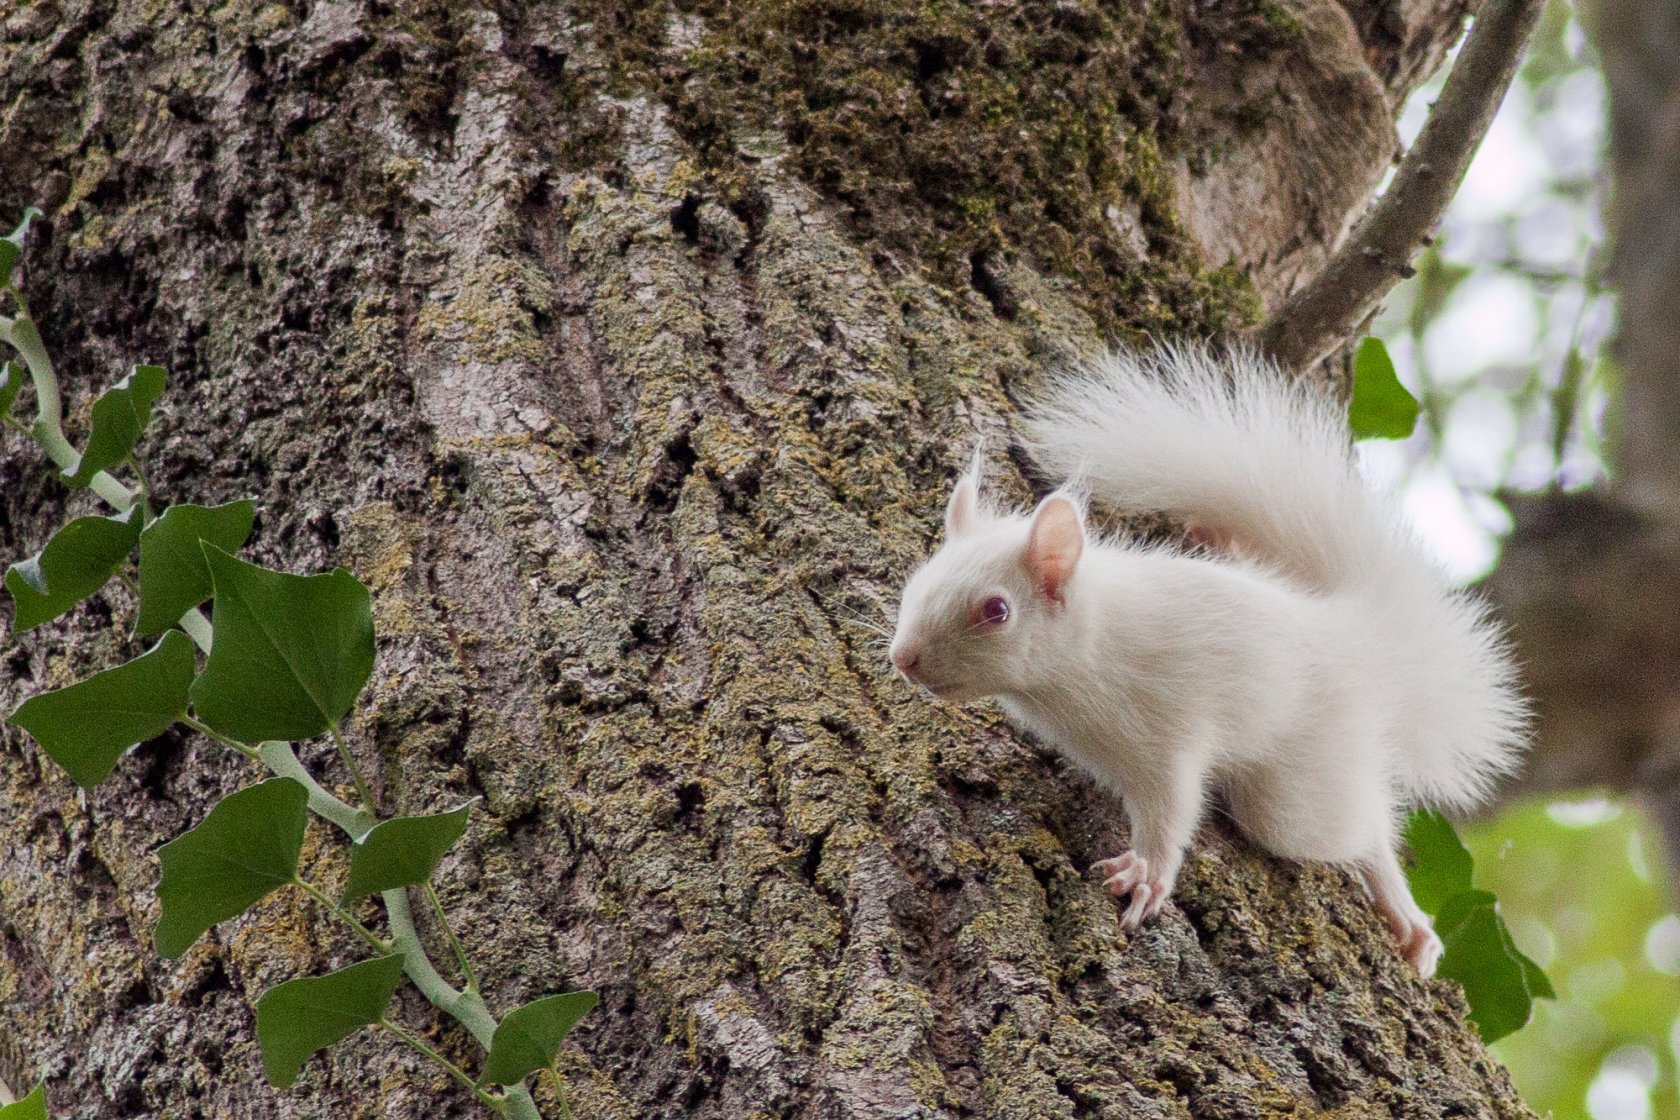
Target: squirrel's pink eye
(995, 611)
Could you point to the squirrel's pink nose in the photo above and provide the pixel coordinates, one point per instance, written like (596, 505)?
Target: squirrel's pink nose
(906, 658)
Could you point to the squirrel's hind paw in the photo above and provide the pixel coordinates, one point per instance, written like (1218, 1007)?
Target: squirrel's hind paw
(1423, 949)
(1130, 874)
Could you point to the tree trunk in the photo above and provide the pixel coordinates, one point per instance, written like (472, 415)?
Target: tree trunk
(626, 352)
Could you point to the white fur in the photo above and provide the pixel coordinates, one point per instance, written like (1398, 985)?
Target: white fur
(1320, 670)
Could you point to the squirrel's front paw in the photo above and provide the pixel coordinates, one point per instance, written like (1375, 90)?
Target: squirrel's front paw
(1130, 874)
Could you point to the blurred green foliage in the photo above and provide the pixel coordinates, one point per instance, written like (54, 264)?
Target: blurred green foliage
(1583, 890)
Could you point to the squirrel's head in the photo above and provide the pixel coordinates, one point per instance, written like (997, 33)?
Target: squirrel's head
(977, 618)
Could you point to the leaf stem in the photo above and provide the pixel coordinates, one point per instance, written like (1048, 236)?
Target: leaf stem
(283, 763)
(454, 942)
(140, 475)
(467, 1008)
(559, 1093)
(454, 1070)
(48, 431)
(355, 771)
(338, 911)
(233, 744)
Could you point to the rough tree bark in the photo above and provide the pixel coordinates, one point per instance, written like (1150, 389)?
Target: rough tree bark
(626, 350)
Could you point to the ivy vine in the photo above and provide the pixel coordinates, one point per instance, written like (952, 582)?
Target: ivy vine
(279, 659)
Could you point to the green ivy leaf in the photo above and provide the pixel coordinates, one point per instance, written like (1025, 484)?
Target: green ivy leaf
(1441, 865)
(1539, 985)
(1481, 956)
(174, 575)
(32, 1107)
(88, 726)
(1500, 983)
(11, 246)
(529, 1038)
(289, 654)
(403, 851)
(76, 562)
(245, 848)
(11, 384)
(119, 416)
(1381, 406)
(299, 1017)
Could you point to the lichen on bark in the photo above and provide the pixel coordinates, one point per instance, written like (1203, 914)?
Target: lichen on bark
(632, 387)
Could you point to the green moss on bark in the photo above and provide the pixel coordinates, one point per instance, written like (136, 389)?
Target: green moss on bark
(970, 139)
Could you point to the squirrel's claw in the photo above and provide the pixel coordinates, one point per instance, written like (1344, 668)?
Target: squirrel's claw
(1123, 872)
(1143, 904)
(1129, 874)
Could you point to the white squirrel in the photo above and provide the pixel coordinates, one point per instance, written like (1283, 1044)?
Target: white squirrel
(1316, 667)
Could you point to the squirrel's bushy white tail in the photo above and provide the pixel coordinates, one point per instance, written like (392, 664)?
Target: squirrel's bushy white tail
(1228, 442)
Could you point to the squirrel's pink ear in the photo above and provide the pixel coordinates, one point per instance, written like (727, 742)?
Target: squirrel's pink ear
(962, 512)
(1054, 543)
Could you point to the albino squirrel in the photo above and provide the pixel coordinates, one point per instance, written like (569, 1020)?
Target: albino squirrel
(1315, 667)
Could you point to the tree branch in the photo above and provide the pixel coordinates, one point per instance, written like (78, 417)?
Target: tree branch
(1377, 255)
(1591, 589)
(1663, 805)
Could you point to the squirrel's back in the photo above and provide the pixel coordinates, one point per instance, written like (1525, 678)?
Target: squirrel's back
(1228, 442)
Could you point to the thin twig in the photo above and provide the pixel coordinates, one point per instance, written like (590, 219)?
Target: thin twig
(1566, 398)
(1319, 317)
